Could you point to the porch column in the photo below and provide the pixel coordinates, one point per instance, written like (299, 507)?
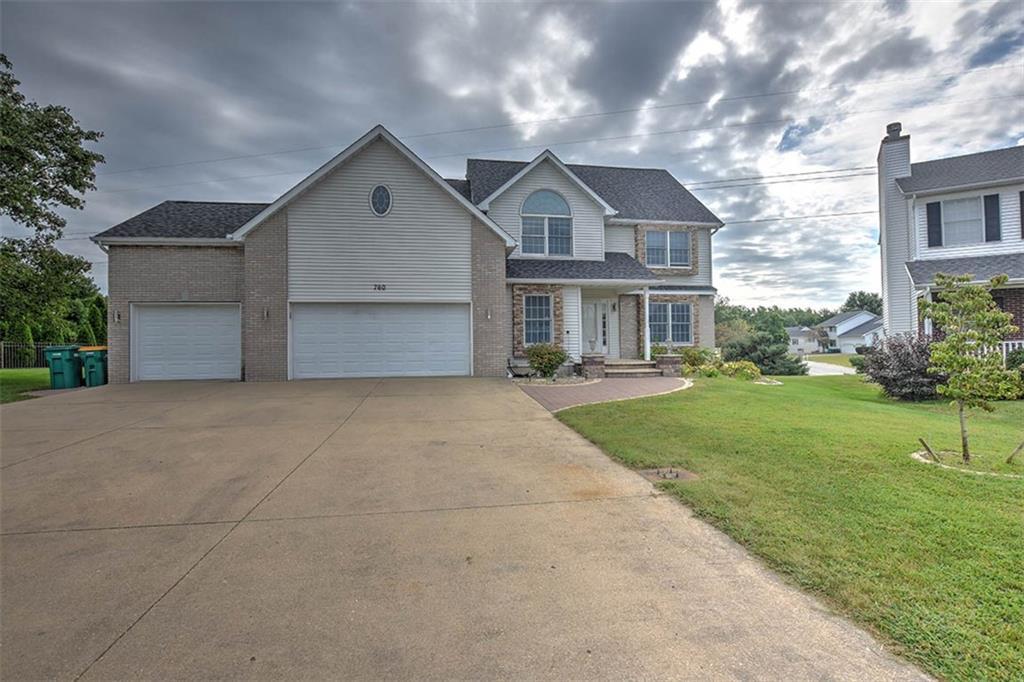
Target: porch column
(647, 324)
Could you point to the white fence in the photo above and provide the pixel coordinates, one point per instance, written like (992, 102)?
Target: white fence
(1006, 346)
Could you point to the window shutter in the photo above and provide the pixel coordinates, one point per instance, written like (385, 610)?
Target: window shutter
(993, 231)
(1022, 215)
(934, 212)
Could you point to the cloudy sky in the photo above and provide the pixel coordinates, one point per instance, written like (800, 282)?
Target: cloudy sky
(709, 90)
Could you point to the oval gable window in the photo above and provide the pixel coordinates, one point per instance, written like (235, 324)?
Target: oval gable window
(380, 200)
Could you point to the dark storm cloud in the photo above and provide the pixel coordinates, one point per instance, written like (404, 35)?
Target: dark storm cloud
(896, 53)
(638, 46)
(176, 82)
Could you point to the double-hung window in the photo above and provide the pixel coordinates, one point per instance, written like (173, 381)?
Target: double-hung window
(547, 225)
(962, 222)
(537, 319)
(667, 249)
(671, 323)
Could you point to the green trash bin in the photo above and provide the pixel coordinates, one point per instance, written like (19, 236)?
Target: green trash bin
(94, 364)
(65, 366)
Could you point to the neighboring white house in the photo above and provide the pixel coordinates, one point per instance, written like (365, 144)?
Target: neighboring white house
(959, 215)
(848, 330)
(802, 340)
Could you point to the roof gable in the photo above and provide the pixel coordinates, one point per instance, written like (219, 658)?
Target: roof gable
(379, 132)
(640, 194)
(548, 156)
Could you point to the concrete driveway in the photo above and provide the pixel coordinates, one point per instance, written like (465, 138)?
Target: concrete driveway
(366, 529)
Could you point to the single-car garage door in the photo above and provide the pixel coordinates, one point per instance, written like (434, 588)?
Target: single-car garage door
(380, 339)
(186, 341)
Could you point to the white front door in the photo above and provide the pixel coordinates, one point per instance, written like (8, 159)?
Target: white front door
(379, 339)
(596, 325)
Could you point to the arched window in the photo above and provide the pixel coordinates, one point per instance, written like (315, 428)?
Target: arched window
(547, 224)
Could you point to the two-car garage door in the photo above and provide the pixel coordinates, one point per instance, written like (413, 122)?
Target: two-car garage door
(379, 339)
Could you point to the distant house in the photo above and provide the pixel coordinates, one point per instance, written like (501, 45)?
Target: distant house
(962, 215)
(846, 331)
(802, 340)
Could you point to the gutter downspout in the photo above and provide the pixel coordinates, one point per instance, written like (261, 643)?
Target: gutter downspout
(647, 324)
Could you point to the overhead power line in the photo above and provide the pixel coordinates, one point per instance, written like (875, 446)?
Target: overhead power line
(693, 183)
(558, 119)
(781, 182)
(562, 143)
(799, 217)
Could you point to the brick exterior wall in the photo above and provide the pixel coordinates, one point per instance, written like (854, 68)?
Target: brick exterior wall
(491, 314)
(164, 274)
(1009, 300)
(265, 306)
(695, 311)
(518, 327)
(629, 334)
(641, 249)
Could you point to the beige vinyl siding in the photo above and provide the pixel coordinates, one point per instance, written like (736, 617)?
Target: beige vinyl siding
(338, 249)
(1009, 221)
(572, 320)
(620, 239)
(587, 215)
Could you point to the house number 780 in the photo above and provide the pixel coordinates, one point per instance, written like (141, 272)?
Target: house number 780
(380, 287)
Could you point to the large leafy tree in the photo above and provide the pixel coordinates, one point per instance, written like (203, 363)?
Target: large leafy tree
(972, 327)
(863, 300)
(43, 163)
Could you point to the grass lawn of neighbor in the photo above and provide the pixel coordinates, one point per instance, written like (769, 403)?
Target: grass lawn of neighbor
(841, 359)
(15, 382)
(814, 476)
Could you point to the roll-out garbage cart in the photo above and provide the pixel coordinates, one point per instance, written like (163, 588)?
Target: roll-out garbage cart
(94, 364)
(65, 366)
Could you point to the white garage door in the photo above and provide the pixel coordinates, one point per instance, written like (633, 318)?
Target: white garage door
(186, 341)
(379, 339)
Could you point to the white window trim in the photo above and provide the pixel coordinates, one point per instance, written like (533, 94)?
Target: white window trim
(668, 249)
(980, 198)
(547, 229)
(391, 199)
(670, 341)
(551, 319)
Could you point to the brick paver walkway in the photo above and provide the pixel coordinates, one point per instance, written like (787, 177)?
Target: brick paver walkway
(556, 397)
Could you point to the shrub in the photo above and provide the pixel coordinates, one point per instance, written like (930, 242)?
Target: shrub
(658, 349)
(1015, 358)
(709, 370)
(26, 354)
(768, 351)
(696, 356)
(899, 364)
(546, 358)
(741, 369)
(861, 350)
(857, 362)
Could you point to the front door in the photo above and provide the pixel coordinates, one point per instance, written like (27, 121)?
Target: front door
(596, 316)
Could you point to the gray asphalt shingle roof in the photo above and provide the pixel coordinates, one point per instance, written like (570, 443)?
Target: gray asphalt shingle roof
(186, 220)
(863, 329)
(970, 169)
(982, 267)
(614, 266)
(640, 193)
(841, 317)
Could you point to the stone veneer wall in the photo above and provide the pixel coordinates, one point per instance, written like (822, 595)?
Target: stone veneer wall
(492, 326)
(518, 327)
(265, 306)
(629, 305)
(164, 274)
(695, 311)
(641, 249)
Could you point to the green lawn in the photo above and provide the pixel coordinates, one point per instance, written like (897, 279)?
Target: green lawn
(14, 383)
(842, 359)
(814, 477)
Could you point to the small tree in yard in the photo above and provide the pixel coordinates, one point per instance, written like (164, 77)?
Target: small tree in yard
(972, 327)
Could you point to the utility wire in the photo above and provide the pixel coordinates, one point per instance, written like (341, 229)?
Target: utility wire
(557, 144)
(693, 183)
(799, 217)
(780, 182)
(557, 119)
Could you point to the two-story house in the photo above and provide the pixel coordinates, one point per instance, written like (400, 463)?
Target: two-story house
(959, 215)
(374, 265)
(846, 331)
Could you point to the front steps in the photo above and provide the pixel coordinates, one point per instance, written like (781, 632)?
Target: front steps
(630, 369)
